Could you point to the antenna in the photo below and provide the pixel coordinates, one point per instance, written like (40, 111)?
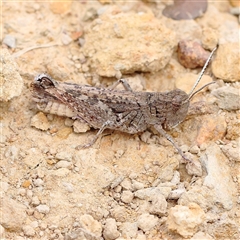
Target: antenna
(191, 94)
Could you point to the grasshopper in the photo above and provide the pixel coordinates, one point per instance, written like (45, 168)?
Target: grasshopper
(123, 110)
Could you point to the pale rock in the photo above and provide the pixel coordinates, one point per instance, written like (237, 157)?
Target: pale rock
(4, 186)
(209, 38)
(194, 168)
(28, 231)
(35, 201)
(184, 147)
(13, 214)
(65, 38)
(201, 236)
(184, 29)
(127, 196)
(79, 127)
(10, 41)
(219, 176)
(201, 195)
(118, 189)
(12, 152)
(149, 193)
(43, 225)
(77, 234)
(88, 223)
(117, 181)
(176, 193)
(176, 178)
(64, 155)
(40, 121)
(233, 153)
(129, 230)
(229, 31)
(228, 98)
(68, 122)
(194, 149)
(226, 63)
(61, 172)
(21, 191)
(158, 205)
(110, 231)
(34, 224)
(98, 213)
(146, 222)
(137, 185)
(11, 83)
(166, 187)
(43, 209)
(68, 186)
(38, 182)
(126, 184)
(29, 193)
(123, 29)
(64, 164)
(119, 213)
(185, 220)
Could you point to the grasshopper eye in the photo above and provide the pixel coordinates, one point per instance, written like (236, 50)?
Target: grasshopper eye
(44, 81)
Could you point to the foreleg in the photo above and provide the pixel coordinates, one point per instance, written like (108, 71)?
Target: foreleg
(124, 83)
(170, 139)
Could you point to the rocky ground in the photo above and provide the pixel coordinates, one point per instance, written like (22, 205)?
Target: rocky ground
(124, 186)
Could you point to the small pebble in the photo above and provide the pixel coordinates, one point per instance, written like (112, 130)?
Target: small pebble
(66, 40)
(64, 156)
(64, 164)
(35, 201)
(194, 149)
(28, 231)
(10, 41)
(69, 122)
(69, 187)
(126, 184)
(184, 148)
(147, 221)
(43, 209)
(127, 196)
(22, 192)
(110, 231)
(203, 146)
(137, 185)
(38, 182)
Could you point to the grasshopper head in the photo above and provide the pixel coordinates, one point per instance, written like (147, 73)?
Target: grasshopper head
(178, 108)
(43, 81)
(40, 86)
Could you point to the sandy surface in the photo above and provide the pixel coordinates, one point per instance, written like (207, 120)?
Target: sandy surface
(124, 186)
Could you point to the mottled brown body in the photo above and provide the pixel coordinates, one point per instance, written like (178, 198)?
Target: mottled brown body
(125, 110)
